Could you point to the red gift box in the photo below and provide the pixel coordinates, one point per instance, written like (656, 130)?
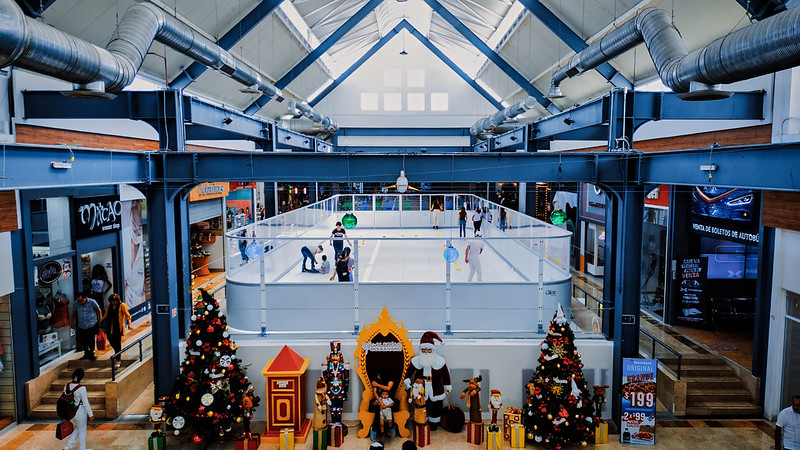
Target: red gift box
(249, 441)
(475, 433)
(336, 435)
(422, 434)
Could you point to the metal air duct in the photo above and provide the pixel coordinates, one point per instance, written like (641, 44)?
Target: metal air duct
(303, 108)
(770, 45)
(32, 45)
(491, 122)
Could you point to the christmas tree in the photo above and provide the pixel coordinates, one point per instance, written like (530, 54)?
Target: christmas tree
(558, 411)
(212, 392)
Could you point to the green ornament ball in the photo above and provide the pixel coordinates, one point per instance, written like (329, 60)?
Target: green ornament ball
(349, 220)
(558, 217)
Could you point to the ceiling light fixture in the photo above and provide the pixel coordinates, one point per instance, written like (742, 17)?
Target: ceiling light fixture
(404, 52)
(227, 121)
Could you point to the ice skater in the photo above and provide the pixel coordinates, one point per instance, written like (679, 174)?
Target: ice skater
(462, 222)
(338, 235)
(308, 254)
(437, 214)
(473, 256)
(477, 216)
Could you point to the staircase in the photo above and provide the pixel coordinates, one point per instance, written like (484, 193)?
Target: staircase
(712, 388)
(97, 374)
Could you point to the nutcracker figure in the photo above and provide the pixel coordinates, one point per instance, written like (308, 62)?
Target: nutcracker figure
(336, 372)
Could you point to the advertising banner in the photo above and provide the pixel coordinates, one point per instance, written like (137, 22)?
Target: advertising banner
(692, 274)
(638, 421)
(727, 213)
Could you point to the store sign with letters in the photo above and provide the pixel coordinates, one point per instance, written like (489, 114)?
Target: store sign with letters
(691, 286)
(207, 191)
(638, 420)
(49, 272)
(97, 215)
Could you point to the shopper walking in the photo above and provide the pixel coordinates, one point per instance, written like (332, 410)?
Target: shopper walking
(85, 322)
(502, 219)
(462, 222)
(473, 256)
(99, 286)
(437, 214)
(243, 246)
(84, 412)
(477, 216)
(116, 316)
(787, 428)
(338, 235)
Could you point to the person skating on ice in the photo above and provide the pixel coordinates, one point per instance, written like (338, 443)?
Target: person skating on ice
(477, 216)
(308, 254)
(473, 256)
(338, 235)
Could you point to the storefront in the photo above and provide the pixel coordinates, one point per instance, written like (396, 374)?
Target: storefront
(240, 205)
(654, 250)
(592, 217)
(206, 216)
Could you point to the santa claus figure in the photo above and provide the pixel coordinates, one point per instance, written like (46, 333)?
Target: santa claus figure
(432, 369)
(495, 403)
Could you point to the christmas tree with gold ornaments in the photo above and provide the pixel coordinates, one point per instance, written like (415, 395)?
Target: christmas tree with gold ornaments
(558, 411)
(212, 393)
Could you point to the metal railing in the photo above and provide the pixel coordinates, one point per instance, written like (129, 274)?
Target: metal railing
(598, 309)
(655, 341)
(119, 354)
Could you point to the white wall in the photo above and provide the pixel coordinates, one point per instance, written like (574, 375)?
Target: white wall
(6, 265)
(344, 103)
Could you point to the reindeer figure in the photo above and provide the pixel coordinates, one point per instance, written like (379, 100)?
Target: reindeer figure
(472, 394)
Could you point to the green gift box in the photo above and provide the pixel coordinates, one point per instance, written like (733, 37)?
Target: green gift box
(320, 441)
(157, 442)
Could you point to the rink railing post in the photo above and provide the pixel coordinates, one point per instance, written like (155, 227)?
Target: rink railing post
(447, 305)
(356, 315)
(541, 286)
(263, 286)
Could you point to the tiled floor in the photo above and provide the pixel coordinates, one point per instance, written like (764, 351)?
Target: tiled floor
(679, 434)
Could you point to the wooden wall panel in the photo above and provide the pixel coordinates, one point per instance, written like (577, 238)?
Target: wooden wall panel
(8, 211)
(7, 391)
(780, 210)
(761, 134)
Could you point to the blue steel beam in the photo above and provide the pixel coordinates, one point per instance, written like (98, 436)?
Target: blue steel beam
(404, 24)
(401, 149)
(228, 40)
(403, 131)
(569, 37)
(510, 141)
(494, 57)
(316, 53)
(293, 140)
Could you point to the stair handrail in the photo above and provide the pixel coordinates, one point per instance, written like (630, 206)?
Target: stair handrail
(653, 351)
(119, 354)
(600, 303)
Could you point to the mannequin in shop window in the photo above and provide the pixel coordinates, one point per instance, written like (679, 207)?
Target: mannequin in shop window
(100, 285)
(44, 312)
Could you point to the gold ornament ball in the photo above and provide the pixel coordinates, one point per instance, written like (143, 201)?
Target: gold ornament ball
(219, 343)
(211, 414)
(549, 417)
(177, 396)
(530, 435)
(223, 370)
(562, 329)
(566, 424)
(536, 427)
(238, 420)
(202, 356)
(558, 366)
(206, 313)
(583, 443)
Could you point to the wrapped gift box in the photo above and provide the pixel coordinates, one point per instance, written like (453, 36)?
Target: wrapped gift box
(320, 439)
(287, 439)
(475, 433)
(517, 435)
(336, 435)
(510, 417)
(601, 433)
(493, 440)
(250, 441)
(422, 434)
(157, 442)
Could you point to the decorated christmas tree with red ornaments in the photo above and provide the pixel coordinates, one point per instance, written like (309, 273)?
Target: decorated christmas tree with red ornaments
(558, 411)
(212, 393)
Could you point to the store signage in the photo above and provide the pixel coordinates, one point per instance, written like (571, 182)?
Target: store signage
(725, 213)
(66, 268)
(208, 191)
(237, 186)
(638, 420)
(692, 274)
(97, 215)
(593, 203)
(49, 272)
(658, 197)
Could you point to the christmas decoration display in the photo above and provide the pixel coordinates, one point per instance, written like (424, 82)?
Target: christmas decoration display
(495, 403)
(437, 384)
(511, 416)
(287, 439)
(336, 372)
(599, 399)
(558, 217)
(450, 253)
(321, 402)
(157, 439)
(558, 411)
(285, 381)
(517, 432)
(349, 221)
(494, 439)
(473, 398)
(207, 399)
(475, 432)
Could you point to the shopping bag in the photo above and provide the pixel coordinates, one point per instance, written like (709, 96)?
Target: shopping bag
(64, 429)
(101, 340)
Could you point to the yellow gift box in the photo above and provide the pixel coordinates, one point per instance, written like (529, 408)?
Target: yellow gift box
(287, 439)
(601, 433)
(493, 440)
(510, 417)
(517, 436)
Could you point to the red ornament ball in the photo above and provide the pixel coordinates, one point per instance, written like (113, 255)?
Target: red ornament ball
(210, 329)
(197, 439)
(201, 409)
(230, 367)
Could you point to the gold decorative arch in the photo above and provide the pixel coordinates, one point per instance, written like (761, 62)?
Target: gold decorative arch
(384, 326)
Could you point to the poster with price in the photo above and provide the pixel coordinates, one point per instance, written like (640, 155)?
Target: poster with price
(638, 421)
(691, 283)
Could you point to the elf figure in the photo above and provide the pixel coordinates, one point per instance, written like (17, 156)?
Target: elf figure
(337, 378)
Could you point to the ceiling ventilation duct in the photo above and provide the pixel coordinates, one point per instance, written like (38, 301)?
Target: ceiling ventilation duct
(96, 72)
(770, 45)
(490, 123)
(325, 122)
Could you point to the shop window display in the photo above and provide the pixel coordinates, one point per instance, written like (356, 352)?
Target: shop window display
(54, 293)
(51, 233)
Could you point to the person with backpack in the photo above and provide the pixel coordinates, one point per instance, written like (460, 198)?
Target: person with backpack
(74, 405)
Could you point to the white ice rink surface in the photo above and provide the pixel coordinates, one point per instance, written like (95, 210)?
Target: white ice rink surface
(408, 259)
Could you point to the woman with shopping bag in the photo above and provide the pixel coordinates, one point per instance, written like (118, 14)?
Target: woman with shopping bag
(83, 413)
(116, 316)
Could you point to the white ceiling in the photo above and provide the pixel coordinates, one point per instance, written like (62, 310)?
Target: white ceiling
(276, 45)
